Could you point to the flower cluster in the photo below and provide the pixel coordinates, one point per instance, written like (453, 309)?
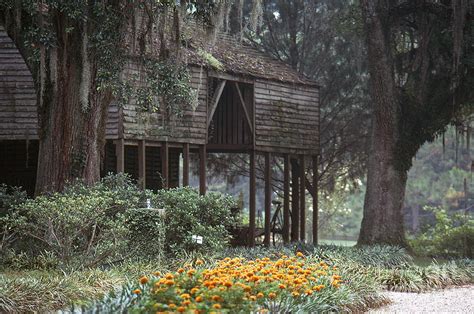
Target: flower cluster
(235, 284)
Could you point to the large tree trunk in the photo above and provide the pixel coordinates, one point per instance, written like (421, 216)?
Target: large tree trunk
(383, 218)
(72, 111)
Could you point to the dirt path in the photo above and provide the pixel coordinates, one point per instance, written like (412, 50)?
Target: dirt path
(453, 300)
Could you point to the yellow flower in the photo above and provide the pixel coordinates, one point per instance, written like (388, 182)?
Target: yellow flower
(137, 291)
(295, 294)
(185, 296)
(143, 280)
(260, 295)
(194, 290)
(299, 254)
(253, 298)
(309, 292)
(199, 262)
(172, 306)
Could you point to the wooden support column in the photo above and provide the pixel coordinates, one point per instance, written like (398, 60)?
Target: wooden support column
(295, 205)
(141, 164)
(120, 153)
(302, 200)
(315, 200)
(202, 169)
(268, 199)
(165, 164)
(286, 199)
(252, 200)
(186, 164)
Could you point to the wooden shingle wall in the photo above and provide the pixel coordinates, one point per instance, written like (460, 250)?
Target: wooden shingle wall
(287, 117)
(18, 116)
(191, 127)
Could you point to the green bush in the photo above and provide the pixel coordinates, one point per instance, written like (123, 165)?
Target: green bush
(81, 226)
(9, 198)
(187, 213)
(452, 235)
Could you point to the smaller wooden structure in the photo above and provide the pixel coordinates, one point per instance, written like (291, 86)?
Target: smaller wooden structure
(246, 102)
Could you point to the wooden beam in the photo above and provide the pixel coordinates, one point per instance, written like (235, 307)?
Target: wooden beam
(302, 200)
(120, 153)
(315, 200)
(165, 165)
(252, 200)
(286, 199)
(215, 100)
(295, 205)
(186, 164)
(244, 107)
(230, 77)
(268, 199)
(142, 164)
(202, 169)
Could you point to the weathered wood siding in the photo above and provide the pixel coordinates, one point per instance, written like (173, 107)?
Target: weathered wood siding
(191, 127)
(287, 117)
(18, 116)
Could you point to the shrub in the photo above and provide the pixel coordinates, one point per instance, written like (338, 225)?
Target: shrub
(452, 235)
(9, 198)
(81, 226)
(187, 213)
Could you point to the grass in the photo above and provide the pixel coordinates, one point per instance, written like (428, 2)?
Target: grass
(367, 271)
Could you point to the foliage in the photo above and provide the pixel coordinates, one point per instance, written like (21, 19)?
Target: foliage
(9, 198)
(81, 226)
(187, 213)
(451, 235)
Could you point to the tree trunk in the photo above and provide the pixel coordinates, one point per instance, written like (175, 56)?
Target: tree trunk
(383, 218)
(72, 112)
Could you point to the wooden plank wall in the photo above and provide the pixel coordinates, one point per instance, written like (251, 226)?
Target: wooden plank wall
(287, 117)
(18, 116)
(229, 125)
(190, 128)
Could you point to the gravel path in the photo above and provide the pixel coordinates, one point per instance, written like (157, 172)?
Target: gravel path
(452, 300)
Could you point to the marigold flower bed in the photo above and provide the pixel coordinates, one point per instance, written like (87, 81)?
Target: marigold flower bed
(235, 284)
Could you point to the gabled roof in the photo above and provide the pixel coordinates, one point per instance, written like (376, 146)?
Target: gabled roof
(233, 56)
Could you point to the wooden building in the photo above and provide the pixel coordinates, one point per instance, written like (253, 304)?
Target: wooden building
(246, 102)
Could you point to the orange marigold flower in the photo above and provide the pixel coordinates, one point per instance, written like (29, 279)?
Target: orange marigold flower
(215, 298)
(308, 292)
(217, 306)
(281, 286)
(272, 295)
(157, 273)
(180, 270)
(194, 290)
(172, 306)
(198, 299)
(137, 291)
(143, 280)
(191, 272)
(169, 282)
(185, 296)
(228, 284)
(253, 298)
(295, 294)
(260, 295)
(199, 262)
(186, 302)
(181, 309)
(299, 254)
(169, 276)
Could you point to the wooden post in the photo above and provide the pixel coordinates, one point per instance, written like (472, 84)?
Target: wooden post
(295, 205)
(165, 164)
(302, 200)
(120, 153)
(286, 199)
(252, 201)
(202, 169)
(315, 200)
(268, 199)
(186, 164)
(142, 164)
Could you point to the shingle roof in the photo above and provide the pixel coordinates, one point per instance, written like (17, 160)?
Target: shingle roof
(237, 57)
